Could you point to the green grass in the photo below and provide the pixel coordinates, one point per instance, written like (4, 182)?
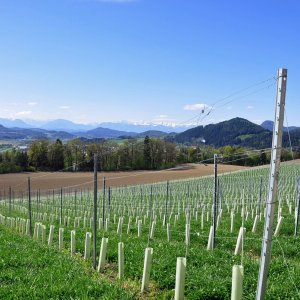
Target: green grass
(208, 273)
(30, 270)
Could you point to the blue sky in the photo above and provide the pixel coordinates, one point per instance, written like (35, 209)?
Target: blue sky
(146, 60)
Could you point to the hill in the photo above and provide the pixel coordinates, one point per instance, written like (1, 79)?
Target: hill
(31, 134)
(232, 132)
(269, 126)
(154, 133)
(106, 133)
(14, 123)
(235, 132)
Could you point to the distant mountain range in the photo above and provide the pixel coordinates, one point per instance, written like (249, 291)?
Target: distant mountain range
(71, 127)
(140, 128)
(65, 125)
(28, 134)
(237, 131)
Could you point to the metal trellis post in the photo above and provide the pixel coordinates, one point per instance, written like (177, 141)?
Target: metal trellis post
(273, 179)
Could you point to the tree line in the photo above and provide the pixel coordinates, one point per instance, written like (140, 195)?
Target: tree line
(130, 154)
(77, 155)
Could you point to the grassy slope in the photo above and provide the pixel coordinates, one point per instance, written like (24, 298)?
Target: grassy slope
(208, 274)
(30, 270)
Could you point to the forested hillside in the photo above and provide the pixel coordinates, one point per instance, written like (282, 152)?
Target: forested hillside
(235, 132)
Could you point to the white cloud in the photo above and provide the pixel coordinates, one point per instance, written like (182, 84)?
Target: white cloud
(197, 106)
(64, 107)
(23, 113)
(250, 107)
(32, 103)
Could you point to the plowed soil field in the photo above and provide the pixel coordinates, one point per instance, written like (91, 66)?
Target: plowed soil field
(55, 180)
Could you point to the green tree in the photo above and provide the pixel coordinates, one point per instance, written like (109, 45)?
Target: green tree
(147, 153)
(76, 154)
(22, 160)
(56, 155)
(262, 158)
(157, 153)
(37, 153)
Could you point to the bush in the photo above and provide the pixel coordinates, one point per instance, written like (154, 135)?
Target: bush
(9, 167)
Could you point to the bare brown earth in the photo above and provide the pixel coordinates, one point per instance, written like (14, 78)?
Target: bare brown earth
(55, 180)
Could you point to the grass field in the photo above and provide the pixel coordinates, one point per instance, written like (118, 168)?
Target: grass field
(208, 273)
(30, 270)
(34, 271)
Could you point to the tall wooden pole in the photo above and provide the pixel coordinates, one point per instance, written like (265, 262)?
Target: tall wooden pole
(297, 207)
(167, 200)
(108, 200)
(95, 214)
(29, 207)
(103, 202)
(260, 195)
(9, 194)
(61, 199)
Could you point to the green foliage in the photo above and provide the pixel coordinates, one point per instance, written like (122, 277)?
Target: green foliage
(38, 154)
(235, 132)
(131, 154)
(13, 161)
(147, 153)
(55, 155)
(30, 270)
(9, 167)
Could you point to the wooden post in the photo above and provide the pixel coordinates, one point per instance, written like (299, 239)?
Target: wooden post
(95, 214)
(61, 197)
(103, 202)
(9, 195)
(297, 208)
(29, 207)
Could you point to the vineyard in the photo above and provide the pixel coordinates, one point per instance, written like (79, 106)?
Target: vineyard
(144, 230)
